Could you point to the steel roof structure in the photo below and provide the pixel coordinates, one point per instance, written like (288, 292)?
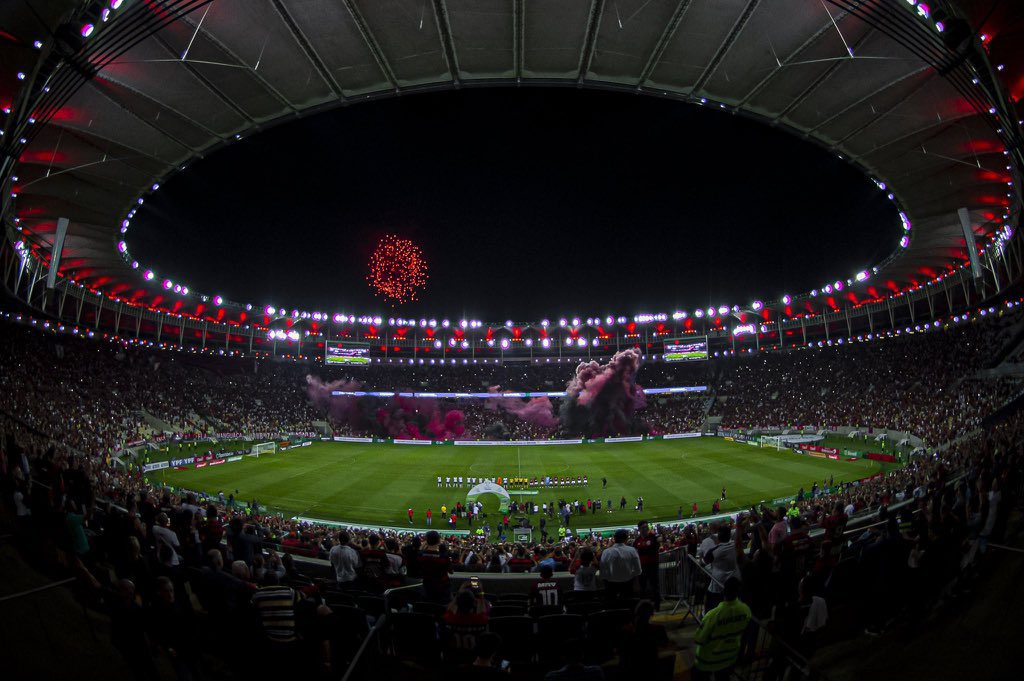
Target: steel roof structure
(910, 92)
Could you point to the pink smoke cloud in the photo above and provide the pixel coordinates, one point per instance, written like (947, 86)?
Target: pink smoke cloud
(537, 410)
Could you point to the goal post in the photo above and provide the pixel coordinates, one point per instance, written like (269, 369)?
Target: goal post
(262, 448)
(772, 441)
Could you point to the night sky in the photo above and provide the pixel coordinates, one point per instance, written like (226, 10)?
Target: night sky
(526, 203)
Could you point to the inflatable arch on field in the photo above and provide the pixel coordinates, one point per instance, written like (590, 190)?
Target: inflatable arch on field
(490, 488)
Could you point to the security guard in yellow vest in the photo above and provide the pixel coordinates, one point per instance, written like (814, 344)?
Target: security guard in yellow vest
(719, 635)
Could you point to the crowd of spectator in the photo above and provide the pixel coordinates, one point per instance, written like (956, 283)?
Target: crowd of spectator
(921, 383)
(91, 394)
(137, 547)
(511, 375)
(927, 384)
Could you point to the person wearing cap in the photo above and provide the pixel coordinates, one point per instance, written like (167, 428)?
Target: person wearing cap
(647, 547)
(620, 564)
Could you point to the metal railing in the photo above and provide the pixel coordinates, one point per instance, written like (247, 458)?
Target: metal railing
(365, 663)
(764, 655)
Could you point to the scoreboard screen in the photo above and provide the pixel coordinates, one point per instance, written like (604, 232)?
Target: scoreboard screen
(686, 349)
(343, 352)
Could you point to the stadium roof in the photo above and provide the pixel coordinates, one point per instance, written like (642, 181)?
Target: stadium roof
(163, 83)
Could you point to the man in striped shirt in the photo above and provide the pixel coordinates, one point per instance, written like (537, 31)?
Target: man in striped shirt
(275, 605)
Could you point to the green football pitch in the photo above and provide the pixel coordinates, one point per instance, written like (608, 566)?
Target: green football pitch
(375, 484)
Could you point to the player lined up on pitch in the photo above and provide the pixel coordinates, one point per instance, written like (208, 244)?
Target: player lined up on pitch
(515, 482)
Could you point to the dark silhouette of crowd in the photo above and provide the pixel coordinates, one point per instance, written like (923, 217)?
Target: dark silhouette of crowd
(171, 568)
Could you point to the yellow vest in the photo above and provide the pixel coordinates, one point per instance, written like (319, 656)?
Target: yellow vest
(718, 637)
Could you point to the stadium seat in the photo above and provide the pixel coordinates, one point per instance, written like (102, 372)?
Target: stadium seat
(517, 639)
(538, 611)
(576, 596)
(553, 631)
(372, 605)
(584, 607)
(603, 629)
(435, 610)
(413, 636)
(515, 598)
(622, 604)
(504, 609)
(348, 627)
(335, 599)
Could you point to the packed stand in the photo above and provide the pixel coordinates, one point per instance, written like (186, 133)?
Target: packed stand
(919, 384)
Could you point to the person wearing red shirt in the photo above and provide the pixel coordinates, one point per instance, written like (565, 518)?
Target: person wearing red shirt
(430, 517)
(375, 565)
(410, 516)
(434, 567)
(291, 543)
(545, 591)
(520, 562)
(561, 561)
(647, 546)
(465, 621)
(693, 510)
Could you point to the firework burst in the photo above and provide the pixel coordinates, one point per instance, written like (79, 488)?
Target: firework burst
(397, 270)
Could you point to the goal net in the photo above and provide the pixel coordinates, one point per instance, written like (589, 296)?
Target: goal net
(772, 441)
(263, 448)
